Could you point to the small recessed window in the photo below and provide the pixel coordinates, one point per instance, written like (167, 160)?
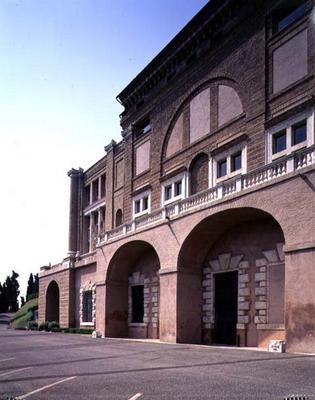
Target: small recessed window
(279, 142)
(137, 303)
(87, 306)
(299, 133)
(236, 162)
(287, 14)
(168, 192)
(137, 206)
(178, 188)
(222, 168)
(145, 203)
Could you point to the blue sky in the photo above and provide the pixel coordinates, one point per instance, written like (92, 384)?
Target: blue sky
(63, 62)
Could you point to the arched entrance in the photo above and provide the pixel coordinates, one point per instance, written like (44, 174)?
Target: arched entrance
(132, 292)
(52, 302)
(237, 267)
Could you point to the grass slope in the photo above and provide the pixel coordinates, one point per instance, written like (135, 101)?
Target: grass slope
(24, 314)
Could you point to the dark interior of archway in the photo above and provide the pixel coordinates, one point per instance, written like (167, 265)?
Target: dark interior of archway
(128, 257)
(52, 302)
(136, 256)
(197, 245)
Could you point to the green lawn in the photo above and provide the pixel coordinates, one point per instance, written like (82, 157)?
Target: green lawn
(24, 314)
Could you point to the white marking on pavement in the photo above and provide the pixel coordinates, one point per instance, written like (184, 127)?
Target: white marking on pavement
(7, 359)
(14, 371)
(136, 396)
(24, 396)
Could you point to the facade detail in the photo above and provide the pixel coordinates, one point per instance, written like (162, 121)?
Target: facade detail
(198, 226)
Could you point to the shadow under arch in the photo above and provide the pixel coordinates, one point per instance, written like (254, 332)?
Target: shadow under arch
(135, 263)
(52, 312)
(246, 232)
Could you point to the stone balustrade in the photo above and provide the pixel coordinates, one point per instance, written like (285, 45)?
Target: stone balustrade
(274, 170)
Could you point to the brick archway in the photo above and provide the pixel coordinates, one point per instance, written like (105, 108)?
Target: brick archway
(233, 240)
(132, 292)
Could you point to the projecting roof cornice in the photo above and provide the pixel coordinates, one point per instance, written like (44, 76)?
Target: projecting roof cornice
(212, 20)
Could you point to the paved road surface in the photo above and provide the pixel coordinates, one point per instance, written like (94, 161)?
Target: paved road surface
(37, 365)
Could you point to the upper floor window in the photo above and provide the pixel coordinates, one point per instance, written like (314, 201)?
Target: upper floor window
(228, 163)
(290, 135)
(174, 189)
(143, 127)
(141, 204)
(288, 13)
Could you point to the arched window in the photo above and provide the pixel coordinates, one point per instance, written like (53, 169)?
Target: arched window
(199, 174)
(119, 218)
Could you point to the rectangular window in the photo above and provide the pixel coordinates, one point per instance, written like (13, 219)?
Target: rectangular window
(178, 188)
(236, 161)
(168, 192)
(87, 192)
(137, 206)
(87, 306)
(279, 142)
(299, 133)
(103, 186)
(222, 168)
(137, 303)
(287, 14)
(95, 190)
(145, 203)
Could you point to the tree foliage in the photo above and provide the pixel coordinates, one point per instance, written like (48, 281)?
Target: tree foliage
(9, 293)
(32, 287)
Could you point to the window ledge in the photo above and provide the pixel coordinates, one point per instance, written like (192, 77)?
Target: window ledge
(86, 323)
(137, 324)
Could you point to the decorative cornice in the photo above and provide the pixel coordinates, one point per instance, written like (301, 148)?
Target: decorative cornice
(110, 147)
(75, 173)
(212, 20)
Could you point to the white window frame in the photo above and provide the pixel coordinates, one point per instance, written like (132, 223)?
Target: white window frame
(183, 177)
(227, 154)
(140, 197)
(287, 126)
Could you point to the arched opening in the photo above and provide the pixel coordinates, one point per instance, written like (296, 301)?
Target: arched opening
(199, 174)
(237, 278)
(52, 302)
(118, 218)
(132, 292)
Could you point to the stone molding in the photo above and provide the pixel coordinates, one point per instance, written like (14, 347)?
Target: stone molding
(151, 298)
(224, 263)
(88, 287)
(271, 257)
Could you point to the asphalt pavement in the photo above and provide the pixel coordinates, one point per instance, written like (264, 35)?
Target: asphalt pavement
(41, 365)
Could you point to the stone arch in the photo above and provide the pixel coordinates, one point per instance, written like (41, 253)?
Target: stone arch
(52, 312)
(250, 242)
(196, 116)
(199, 174)
(132, 274)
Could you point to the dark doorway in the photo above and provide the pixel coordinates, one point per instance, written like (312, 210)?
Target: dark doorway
(225, 305)
(137, 303)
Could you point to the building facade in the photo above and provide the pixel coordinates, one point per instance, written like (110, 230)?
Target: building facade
(199, 226)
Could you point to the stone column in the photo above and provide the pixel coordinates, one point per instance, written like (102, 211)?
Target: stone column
(74, 209)
(300, 297)
(168, 305)
(109, 218)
